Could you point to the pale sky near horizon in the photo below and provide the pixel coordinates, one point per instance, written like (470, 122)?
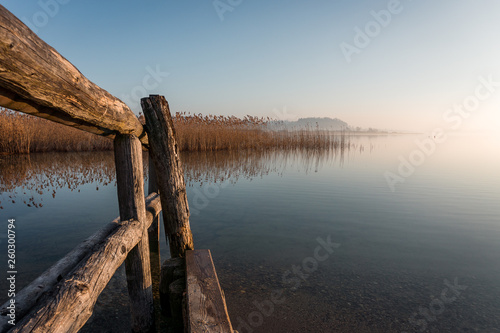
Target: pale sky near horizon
(286, 59)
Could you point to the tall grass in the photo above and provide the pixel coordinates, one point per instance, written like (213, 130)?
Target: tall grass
(211, 133)
(21, 133)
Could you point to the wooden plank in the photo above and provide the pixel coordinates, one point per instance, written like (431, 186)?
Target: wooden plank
(170, 176)
(69, 306)
(28, 297)
(206, 306)
(130, 186)
(36, 79)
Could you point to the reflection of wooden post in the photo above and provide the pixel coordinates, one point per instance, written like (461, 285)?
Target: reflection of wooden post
(170, 176)
(130, 184)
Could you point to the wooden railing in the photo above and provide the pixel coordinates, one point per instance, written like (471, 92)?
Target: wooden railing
(36, 79)
(62, 298)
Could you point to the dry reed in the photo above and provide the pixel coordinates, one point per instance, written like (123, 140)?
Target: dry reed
(212, 133)
(21, 133)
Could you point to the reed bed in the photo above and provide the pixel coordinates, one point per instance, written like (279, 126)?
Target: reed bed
(21, 133)
(212, 133)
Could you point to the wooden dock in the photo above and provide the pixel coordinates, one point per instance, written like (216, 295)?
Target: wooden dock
(36, 79)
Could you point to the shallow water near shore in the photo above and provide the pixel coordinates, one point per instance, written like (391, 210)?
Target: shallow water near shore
(303, 241)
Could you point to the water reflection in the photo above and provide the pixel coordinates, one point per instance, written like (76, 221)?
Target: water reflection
(24, 179)
(397, 249)
(217, 167)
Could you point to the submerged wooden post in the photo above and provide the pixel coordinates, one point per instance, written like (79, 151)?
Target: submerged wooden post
(130, 184)
(170, 176)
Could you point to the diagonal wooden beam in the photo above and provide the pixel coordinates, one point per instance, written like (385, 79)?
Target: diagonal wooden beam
(36, 79)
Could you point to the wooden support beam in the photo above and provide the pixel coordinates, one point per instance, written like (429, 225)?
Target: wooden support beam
(130, 186)
(154, 230)
(206, 306)
(154, 245)
(70, 304)
(170, 175)
(28, 297)
(153, 208)
(32, 293)
(36, 79)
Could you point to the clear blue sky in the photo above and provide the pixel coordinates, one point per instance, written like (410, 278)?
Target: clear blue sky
(284, 58)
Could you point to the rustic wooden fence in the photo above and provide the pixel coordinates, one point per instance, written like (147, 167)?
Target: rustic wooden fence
(36, 79)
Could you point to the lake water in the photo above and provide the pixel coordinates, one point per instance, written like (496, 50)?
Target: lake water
(303, 241)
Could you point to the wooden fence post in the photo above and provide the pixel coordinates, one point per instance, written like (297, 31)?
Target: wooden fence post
(154, 230)
(170, 176)
(130, 184)
(154, 243)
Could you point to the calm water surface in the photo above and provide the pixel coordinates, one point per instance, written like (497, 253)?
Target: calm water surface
(424, 257)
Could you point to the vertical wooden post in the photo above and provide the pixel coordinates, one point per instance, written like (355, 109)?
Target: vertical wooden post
(170, 176)
(154, 230)
(130, 185)
(154, 244)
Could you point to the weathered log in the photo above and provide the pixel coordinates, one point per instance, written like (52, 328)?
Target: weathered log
(206, 305)
(36, 79)
(170, 175)
(153, 207)
(130, 186)
(27, 298)
(70, 304)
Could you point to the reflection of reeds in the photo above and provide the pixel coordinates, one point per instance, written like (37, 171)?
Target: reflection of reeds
(29, 179)
(220, 166)
(22, 133)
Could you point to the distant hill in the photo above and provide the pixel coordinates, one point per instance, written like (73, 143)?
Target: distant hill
(314, 122)
(322, 123)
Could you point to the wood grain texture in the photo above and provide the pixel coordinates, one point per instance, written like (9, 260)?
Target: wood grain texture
(69, 305)
(206, 305)
(154, 246)
(28, 297)
(130, 187)
(153, 207)
(36, 79)
(170, 176)
(32, 293)
(154, 230)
